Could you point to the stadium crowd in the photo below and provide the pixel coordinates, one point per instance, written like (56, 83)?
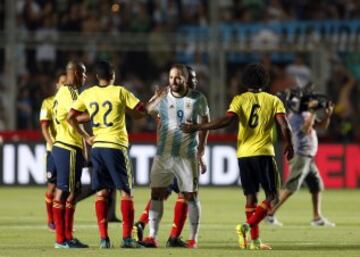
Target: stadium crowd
(146, 15)
(37, 68)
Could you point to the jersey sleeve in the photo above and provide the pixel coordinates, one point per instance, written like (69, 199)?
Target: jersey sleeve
(130, 100)
(279, 106)
(45, 111)
(235, 106)
(79, 104)
(203, 107)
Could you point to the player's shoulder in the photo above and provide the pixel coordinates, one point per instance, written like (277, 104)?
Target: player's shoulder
(119, 89)
(88, 90)
(270, 97)
(66, 91)
(239, 97)
(49, 99)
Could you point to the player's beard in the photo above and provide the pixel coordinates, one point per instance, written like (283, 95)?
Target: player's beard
(178, 89)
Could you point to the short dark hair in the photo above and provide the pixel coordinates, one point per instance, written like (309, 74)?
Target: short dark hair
(255, 76)
(182, 68)
(104, 70)
(76, 65)
(192, 79)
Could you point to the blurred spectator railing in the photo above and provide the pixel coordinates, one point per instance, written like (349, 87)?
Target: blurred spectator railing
(342, 35)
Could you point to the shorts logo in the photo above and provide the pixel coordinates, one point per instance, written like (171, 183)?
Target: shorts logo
(48, 174)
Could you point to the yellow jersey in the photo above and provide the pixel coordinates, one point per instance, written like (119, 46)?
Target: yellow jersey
(256, 112)
(46, 114)
(106, 106)
(66, 135)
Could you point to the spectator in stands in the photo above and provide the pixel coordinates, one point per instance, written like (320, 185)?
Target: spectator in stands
(299, 71)
(24, 110)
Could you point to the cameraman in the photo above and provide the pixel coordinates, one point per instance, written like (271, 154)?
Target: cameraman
(302, 167)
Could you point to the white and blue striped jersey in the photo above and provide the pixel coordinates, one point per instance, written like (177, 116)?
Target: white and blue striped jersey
(174, 111)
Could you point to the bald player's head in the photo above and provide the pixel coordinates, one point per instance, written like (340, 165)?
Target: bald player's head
(76, 73)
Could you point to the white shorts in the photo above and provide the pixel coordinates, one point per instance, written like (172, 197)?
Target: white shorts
(166, 168)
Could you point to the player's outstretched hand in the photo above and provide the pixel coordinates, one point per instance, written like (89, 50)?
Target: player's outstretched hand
(189, 128)
(161, 91)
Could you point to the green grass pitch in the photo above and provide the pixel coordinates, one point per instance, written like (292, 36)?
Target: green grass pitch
(23, 231)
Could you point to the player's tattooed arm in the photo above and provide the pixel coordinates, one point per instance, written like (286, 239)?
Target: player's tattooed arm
(212, 125)
(71, 119)
(285, 131)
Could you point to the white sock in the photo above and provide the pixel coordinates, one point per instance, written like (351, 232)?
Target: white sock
(194, 218)
(155, 215)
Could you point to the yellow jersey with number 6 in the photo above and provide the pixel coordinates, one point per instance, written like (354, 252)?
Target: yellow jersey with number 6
(256, 113)
(106, 106)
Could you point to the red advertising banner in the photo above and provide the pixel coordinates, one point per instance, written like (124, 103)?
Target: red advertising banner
(339, 165)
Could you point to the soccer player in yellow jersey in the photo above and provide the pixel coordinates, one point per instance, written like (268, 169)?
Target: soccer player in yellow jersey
(256, 112)
(68, 155)
(106, 103)
(48, 131)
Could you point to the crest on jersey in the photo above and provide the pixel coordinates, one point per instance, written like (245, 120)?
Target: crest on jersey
(188, 105)
(171, 106)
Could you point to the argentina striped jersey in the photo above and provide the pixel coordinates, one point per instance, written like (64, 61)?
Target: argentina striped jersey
(174, 111)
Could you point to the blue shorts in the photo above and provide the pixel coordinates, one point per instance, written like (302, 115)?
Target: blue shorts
(50, 168)
(111, 169)
(69, 163)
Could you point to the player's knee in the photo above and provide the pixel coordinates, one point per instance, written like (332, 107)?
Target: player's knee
(125, 194)
(71, 197)
(158, 194)
(60, 195)
(103, 193)
(167, 194)
(190, 196)
(51, 188)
